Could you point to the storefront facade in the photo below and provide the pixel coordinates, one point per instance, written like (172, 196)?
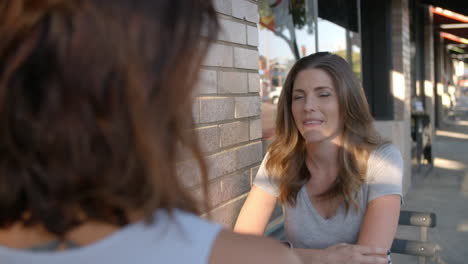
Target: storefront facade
(393, 48)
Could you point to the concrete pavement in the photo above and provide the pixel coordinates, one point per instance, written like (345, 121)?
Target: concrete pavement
(444, 191)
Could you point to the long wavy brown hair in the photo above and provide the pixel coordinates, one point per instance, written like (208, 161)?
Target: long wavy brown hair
(287, 153)
(95, 98)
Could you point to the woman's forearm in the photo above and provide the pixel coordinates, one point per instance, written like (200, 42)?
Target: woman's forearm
(255, 213)
(343, 253)
(315, 256)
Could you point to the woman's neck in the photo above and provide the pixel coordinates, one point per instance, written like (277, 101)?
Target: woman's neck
(323, 154)
(322, 162)
(18, 236)
(37, 238)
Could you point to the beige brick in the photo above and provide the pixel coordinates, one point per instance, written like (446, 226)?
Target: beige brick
(234, 133)
(219, 55)
(252, 36)
(223, 6)
(246, 106)
(222, 163)
(255, 129)
(227, 214)
(207, 82)
(245, 10)
(214, 109)
(196, 111)
(209, 138)
(231, 160)
(254, 82)
(249, 154)
(229, 187)
(232, 31)
(245, 58)
(232, 82)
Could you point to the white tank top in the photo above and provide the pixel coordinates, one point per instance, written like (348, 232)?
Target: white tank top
(184, 239)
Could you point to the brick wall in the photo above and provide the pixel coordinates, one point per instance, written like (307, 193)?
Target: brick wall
(401, 58)
(429, 68)
(227, 110)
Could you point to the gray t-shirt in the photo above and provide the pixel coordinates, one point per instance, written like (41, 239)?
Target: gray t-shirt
(181, 238)
(306, 228)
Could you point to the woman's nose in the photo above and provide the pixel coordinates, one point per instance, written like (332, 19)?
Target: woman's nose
(310, 105)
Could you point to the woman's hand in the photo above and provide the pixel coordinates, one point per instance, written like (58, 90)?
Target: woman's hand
(354, 254)
(344, 254)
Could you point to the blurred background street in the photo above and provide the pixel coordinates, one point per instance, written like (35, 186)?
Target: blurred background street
(444, 191)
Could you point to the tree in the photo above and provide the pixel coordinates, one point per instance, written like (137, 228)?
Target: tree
(285, 16)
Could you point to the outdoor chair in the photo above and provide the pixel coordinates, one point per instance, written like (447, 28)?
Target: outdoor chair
(421, 248)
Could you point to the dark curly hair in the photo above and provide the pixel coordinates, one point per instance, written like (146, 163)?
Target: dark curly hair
(95, 101)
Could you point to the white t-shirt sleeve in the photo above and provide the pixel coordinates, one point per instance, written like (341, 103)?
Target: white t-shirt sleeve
(264, 182)
(384, 172)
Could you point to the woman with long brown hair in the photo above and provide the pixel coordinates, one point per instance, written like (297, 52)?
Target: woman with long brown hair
(95, 110)
(337, 180)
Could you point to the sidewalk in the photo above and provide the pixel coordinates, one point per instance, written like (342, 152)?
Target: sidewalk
(444, 191)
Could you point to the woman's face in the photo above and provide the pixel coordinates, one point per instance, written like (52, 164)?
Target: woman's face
(315, 106)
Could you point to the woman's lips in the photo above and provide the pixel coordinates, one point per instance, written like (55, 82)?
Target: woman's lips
(312, 122)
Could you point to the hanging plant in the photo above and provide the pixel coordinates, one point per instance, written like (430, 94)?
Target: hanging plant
(297, 10)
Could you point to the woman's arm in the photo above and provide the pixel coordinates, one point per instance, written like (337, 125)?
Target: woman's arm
(380, 222)
(255, 213)
(343, 253)
(373, 240)
(385, 187)
(254, 217)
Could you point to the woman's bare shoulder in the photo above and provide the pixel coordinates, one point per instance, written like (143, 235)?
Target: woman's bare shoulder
(235, 248)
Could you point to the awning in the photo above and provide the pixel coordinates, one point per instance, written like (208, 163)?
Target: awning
(341, 12)
(459, 6)
(451, 25)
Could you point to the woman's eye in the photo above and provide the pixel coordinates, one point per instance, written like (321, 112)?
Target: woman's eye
(296, 97)
(324, 94)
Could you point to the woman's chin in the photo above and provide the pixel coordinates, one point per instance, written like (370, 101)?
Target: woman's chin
(313, 137)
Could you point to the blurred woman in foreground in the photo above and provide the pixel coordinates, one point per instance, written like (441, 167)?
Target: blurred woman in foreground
(94, 102)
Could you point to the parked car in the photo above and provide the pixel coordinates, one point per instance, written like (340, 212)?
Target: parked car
(275, 94)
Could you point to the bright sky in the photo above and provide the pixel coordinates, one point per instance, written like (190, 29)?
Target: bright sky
(331, 38)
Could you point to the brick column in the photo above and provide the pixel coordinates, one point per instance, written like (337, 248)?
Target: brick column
(398, 130)
(227, 110)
